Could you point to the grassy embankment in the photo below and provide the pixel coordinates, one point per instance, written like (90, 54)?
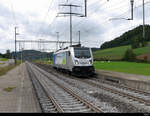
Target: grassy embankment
(126, 67)
(3, 59)
(4, 70)
(117, 53)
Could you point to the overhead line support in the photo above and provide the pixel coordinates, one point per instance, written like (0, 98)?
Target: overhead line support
(71, 14)
(16, 45)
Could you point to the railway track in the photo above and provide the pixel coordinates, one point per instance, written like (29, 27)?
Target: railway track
(131, 94)
(58, 97)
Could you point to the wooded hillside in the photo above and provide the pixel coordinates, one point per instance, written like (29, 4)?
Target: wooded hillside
(128, 37)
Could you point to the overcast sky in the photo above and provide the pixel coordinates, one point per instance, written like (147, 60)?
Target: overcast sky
(36, 19)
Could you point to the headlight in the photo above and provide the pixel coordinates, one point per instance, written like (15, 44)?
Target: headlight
(90, 61)
(76, 62)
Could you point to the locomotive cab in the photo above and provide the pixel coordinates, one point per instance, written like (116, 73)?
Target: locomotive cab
(83, 61)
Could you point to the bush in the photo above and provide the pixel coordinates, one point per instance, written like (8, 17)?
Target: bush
(129, 55)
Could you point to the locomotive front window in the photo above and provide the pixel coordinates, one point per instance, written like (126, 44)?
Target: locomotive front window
(82, 52)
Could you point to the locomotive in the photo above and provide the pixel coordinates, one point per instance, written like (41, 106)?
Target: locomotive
(75, 60)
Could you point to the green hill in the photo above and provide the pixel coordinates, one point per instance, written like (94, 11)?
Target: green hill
(117, 53)
(128, 37)
(32, 55)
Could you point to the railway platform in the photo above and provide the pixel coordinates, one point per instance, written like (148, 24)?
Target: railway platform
(16, 92)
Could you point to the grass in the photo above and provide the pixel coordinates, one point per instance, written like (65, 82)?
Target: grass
(4, 70)
(9, 89)
(45, 61)
(126, 67)
(144, 50)
(3, 59)
(111, 53)
(117, 53)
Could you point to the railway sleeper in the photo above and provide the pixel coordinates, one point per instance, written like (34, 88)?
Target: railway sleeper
(68, 99)
(50, 106)
(63, 98)
(50, 110)
(71, 102)
(71, 105)
(75, 107)
(77, 111)
(47, 102)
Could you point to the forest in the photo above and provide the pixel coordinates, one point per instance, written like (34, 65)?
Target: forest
(128, 38)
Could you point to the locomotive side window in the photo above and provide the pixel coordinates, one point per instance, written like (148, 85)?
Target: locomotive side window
(82, 52)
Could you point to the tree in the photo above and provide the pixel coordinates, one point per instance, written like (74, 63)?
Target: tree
(1, 55)
(135, 43)
(7, 55)
(143, 42)
(127, 38)
(129, 55)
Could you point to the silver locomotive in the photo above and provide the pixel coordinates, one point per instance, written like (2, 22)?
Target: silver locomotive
(74, 59)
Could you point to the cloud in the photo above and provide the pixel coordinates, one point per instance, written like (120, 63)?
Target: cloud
(33, 23)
